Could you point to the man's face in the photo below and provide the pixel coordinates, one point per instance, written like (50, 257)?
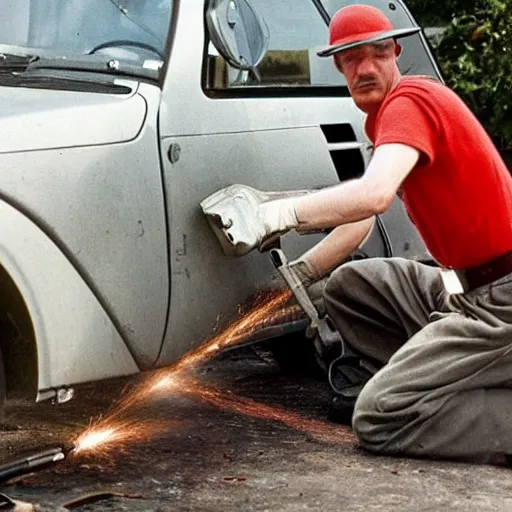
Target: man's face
(371, 72)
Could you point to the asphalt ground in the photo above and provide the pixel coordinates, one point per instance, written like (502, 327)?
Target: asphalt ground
(208, 457)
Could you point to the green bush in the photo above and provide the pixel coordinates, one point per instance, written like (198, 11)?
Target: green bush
(475, 56)
(431, 12)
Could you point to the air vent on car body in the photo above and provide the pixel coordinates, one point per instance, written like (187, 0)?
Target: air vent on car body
(345, 150)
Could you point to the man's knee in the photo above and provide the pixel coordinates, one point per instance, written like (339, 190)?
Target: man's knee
(345, 280)
(352, 285)
(334, 287)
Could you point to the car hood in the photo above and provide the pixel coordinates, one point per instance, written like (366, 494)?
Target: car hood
(36, 119)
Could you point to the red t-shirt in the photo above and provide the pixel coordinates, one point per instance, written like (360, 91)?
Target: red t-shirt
(459, 195)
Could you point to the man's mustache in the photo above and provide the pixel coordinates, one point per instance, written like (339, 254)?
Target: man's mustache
(362, 82)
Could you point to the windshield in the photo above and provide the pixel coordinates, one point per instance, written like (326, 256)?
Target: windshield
(132, 31)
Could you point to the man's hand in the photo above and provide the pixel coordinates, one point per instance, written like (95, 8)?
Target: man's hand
(276, 218)
(244, 218)
(314, 283)
(305, 271)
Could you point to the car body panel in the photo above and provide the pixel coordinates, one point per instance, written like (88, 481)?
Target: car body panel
(103, 190)
(103, 206)
(75, 338)
(35, 119)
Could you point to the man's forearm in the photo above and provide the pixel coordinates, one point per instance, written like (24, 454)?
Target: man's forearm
(361, 198)
(262, 216)
(346, 203)
(337, 246)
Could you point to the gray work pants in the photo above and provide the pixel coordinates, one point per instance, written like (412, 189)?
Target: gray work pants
(445, 390)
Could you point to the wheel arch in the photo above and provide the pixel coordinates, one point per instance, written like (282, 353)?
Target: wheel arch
(17, 339)
(53, 306)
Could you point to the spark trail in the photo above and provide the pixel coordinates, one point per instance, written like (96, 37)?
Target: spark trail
(262, 315)
(112, 432)
(320, 430)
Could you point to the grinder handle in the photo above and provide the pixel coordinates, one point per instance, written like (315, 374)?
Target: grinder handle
(329, 340)
(296, 286)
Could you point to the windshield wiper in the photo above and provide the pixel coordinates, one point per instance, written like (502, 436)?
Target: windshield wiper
(11, 62)
(108, 65)
(18, 64)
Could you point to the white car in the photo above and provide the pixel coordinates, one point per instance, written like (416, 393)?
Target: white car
(118, 119)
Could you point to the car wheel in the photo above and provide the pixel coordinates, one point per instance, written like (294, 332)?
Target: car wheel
(3, 386)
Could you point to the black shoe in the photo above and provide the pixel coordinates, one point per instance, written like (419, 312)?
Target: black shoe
(347, 377)
(342, 405)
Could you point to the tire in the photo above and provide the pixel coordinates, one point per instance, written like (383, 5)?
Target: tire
(295, 355)
(3, 385)
(4, 338)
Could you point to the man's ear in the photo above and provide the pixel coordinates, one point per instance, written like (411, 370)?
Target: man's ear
(398, 49)
(337, 64)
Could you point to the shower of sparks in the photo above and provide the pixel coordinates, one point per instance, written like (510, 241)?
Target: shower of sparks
(103, 437)
(235, 332)
(263, 315)
(327, 432)
(109, 431)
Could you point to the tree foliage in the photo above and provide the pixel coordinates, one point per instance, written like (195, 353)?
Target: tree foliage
(432, 12)
(475, 55)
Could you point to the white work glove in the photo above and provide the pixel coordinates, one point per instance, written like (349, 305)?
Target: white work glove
(244, 218)
(276, 218)
(315, 285)
(305, 271)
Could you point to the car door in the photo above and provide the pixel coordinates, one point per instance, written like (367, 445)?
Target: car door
(288, 124)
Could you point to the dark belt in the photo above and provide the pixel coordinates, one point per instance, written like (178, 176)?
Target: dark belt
(486, 273)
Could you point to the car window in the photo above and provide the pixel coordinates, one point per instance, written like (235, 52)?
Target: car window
(297, 30)
(133, 31)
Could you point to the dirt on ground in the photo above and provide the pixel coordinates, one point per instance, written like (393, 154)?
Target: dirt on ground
(208, 458)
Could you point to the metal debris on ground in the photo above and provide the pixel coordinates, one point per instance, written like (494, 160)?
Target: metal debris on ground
(89, 499)
(33, 462)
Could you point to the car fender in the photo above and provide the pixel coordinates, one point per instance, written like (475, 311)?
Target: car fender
(76, 341)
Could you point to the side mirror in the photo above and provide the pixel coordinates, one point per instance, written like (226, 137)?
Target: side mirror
(238, 32)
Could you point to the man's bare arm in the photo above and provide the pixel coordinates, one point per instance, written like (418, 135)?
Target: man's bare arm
(337, 246)
(362, 198)
(263, 217)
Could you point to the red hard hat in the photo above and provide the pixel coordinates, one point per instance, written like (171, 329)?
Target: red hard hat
(356, 25)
